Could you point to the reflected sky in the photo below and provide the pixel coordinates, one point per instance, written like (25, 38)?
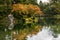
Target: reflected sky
(45, 34)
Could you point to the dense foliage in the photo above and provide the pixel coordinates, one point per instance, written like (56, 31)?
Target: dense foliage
(25, 16)
(51, 14)
(29, 16)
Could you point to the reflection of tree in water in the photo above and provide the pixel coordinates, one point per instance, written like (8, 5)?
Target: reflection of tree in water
(8, 37)
(11, 21)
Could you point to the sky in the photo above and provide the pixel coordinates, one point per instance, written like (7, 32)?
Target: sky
(42, 1)
(38, 1)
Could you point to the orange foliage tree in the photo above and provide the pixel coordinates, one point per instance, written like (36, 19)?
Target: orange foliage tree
(26, 8)
(27, 15)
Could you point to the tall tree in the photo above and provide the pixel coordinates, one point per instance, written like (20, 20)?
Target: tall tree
(52, 14)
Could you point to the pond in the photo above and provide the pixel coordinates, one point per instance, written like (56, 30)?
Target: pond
(45, 34)
(12, 32)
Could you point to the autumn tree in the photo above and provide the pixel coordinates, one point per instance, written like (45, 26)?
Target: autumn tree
(27, 17)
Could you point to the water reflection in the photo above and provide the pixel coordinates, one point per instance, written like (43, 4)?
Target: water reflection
(11, 21)
(45, 34)
(5, 30)
(8, 37)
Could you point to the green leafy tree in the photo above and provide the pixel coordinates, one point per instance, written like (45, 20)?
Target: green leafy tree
(51, 14)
